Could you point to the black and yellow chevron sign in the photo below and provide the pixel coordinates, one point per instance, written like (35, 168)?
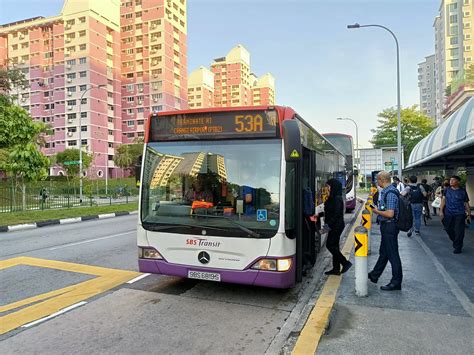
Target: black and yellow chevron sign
(361, 241)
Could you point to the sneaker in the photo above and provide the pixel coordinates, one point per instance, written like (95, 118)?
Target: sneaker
(457, 251)
(332, 272)
(417, 233)
(372, 279)
(346, 267)
(409, 234)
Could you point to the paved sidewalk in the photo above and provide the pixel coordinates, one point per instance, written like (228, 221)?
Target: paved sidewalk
(434, 312)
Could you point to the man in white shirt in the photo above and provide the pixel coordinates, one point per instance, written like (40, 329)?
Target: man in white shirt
(398, 184)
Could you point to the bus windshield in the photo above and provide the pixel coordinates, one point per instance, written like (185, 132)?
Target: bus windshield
(221, 188)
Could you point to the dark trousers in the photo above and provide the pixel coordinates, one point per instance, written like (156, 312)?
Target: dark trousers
(427, 208)
(389, 252)
(332, 244)
(455, 227)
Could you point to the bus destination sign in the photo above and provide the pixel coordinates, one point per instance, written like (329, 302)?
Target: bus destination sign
(214, 125)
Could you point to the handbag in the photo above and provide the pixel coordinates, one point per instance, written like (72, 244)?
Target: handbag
(436, 203)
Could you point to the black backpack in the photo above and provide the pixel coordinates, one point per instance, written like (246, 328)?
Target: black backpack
(415, 195)
(405, 217)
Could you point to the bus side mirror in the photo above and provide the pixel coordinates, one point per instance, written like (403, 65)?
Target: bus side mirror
(292, 140)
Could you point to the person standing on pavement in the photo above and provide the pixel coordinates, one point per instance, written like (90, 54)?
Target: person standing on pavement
(416, 194)
(387, 214)
(427, 198)
(453, 212)
(398, 184)
(438, 195)
(334, 218)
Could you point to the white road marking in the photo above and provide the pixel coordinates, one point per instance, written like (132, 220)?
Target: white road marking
(138, 278)
(91, 240)
(64, 310)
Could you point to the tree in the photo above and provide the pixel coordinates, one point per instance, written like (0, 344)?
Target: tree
(72, 155)
(415, 125)
(470, 74)
(20, 138)
(12, 79)
(126, 156)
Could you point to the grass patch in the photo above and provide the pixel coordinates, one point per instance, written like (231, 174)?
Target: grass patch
(9, 219)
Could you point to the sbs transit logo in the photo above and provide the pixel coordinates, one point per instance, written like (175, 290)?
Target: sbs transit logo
(200, 242)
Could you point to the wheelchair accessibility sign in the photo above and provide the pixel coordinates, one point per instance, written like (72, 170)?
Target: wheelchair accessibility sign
(261, 215)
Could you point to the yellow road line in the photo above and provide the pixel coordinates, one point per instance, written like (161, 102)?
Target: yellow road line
(53, 301)
(315, 326)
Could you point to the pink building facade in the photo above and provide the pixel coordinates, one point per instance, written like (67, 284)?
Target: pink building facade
(85, 52)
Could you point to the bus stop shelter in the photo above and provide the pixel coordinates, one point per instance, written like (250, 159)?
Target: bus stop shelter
(449, 147)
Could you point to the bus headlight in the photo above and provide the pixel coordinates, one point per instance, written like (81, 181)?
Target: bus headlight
(273, 264)
(149, 253)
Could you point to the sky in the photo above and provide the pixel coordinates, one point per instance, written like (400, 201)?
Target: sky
(322, 69)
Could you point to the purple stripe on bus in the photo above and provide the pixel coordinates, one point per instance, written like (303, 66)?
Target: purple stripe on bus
(351, 205)
(247, 277)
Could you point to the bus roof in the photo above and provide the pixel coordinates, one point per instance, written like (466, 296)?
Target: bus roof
(337, 134)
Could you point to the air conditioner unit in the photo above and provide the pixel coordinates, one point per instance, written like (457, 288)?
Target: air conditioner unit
(155, 100)
(70, 108)
(69, 134)
(70, 120)
(22, 36)
(155, 75)
(68, 40)
(23, 99)
(69, 93)
(140, 102)
(69, 80)
(152, 27)
(68, 27)
(68, 66)
(140, 90)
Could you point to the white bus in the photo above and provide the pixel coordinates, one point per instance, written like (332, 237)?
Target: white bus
(226, 194)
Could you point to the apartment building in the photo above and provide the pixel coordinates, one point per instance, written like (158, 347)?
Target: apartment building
(154, 62)
(427, 85)
(263, 90)
(98, 69)
(454, 44)
(201, 88)
(70, 62)
(230, 82)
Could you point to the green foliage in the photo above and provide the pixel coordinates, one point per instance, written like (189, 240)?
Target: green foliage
(470, 74)
(27, 163)
(17, 126)
(19, 140)
(73, 155)
(126, 156)
(415, 125)
(11, 78)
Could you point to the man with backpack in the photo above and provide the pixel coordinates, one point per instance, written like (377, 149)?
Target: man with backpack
(416, 194)
(453, 212)
(388, 211)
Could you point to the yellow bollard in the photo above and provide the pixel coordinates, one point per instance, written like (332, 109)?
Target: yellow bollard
(366, 222)
(360, 256)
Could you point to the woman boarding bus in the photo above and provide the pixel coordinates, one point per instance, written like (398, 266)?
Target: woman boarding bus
(223, 194)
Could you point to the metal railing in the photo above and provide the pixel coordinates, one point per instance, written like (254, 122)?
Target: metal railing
(15, 197)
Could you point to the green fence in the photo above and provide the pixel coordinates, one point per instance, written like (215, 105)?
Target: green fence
(52, 194)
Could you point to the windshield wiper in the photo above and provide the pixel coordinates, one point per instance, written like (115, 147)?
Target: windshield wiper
(250, 232)
(153, 227)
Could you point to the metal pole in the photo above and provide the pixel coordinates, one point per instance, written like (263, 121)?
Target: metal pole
(107, 171)
(399, 129)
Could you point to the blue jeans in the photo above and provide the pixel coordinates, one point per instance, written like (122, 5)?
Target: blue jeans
(416, 209)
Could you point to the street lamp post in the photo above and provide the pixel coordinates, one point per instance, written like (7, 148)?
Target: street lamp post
(357, 140)
(399, 130)
(80, 136)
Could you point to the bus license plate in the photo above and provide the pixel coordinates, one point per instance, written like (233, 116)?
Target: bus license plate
(200, 275)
